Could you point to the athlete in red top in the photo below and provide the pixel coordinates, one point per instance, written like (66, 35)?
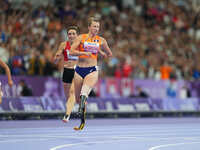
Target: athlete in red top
(69, 63)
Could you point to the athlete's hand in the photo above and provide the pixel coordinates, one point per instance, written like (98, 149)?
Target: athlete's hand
(57, 57)
(10, 82)
(87, 53)
(103, 54)
(1, 96)
(110, 54)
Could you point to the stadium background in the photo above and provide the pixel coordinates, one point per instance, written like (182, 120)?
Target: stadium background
(155, 45)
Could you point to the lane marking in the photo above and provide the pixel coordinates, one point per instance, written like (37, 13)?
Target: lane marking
(95, 128)
(85, 143)
(111, 131)
(130, 134)
(22, 140)
(170, 145)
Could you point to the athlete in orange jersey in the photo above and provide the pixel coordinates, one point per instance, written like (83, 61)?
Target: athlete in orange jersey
(10, 82)
(87, 46)
(69, 63)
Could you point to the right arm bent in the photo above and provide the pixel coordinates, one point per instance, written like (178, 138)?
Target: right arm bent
(59, 52)
(74, 47)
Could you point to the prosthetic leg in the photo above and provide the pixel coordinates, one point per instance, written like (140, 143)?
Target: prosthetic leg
(82, 112)
(82, 106)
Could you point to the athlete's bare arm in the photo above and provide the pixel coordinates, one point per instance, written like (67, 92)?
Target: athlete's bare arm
(106, 47)
(5, 66)
(59, 52)
(102, 53)
(74, 47)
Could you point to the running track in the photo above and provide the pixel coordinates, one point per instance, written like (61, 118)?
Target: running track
(102, 134)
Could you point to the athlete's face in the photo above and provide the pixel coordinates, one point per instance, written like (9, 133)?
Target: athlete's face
(94, 27)
(72, 34)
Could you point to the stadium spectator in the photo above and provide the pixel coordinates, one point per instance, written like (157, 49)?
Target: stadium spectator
(140, 93)
(24, 89)
(148, 32)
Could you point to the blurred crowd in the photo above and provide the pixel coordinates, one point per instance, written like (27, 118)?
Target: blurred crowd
(156, 39)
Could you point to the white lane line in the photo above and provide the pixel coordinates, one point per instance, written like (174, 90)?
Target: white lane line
(105, 137)
(129, 135)
(110, 137)
(113, 132)
(88, 135)
(85, 143)
(135, 132)
(158, 138)
(117, 139)
(108, 128)
(22, 140)
(171, 145)
(113, 141)
(92, 137)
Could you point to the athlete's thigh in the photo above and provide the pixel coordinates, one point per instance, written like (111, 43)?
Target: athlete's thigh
(91, 79)
(78, 82)
(71, 90)
(66, 87)
(1, 94)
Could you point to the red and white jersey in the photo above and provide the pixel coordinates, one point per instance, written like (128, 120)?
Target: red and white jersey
(66, 54)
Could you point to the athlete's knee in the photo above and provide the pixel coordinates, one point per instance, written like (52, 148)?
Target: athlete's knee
(71, 91)
(86, 90)
(65, 85)
(1, 95)
(77, 97)
(66, 89)
(70, 101)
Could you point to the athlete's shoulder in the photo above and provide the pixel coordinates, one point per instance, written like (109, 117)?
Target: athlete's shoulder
(63, 43)
(83, 35)
(102, 39)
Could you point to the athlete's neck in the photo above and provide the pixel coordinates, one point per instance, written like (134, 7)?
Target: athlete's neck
(70, 42)
(91, 35)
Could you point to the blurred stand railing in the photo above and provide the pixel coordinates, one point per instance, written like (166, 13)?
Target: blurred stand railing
(51, 108)
(105, 88)
(114, 98)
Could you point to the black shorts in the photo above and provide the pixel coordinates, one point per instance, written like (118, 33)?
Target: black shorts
(68, 75)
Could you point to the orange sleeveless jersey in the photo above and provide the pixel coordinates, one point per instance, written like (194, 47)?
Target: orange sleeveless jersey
(90, 45)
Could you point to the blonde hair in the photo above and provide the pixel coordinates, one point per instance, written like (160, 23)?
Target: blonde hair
(91, 19)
